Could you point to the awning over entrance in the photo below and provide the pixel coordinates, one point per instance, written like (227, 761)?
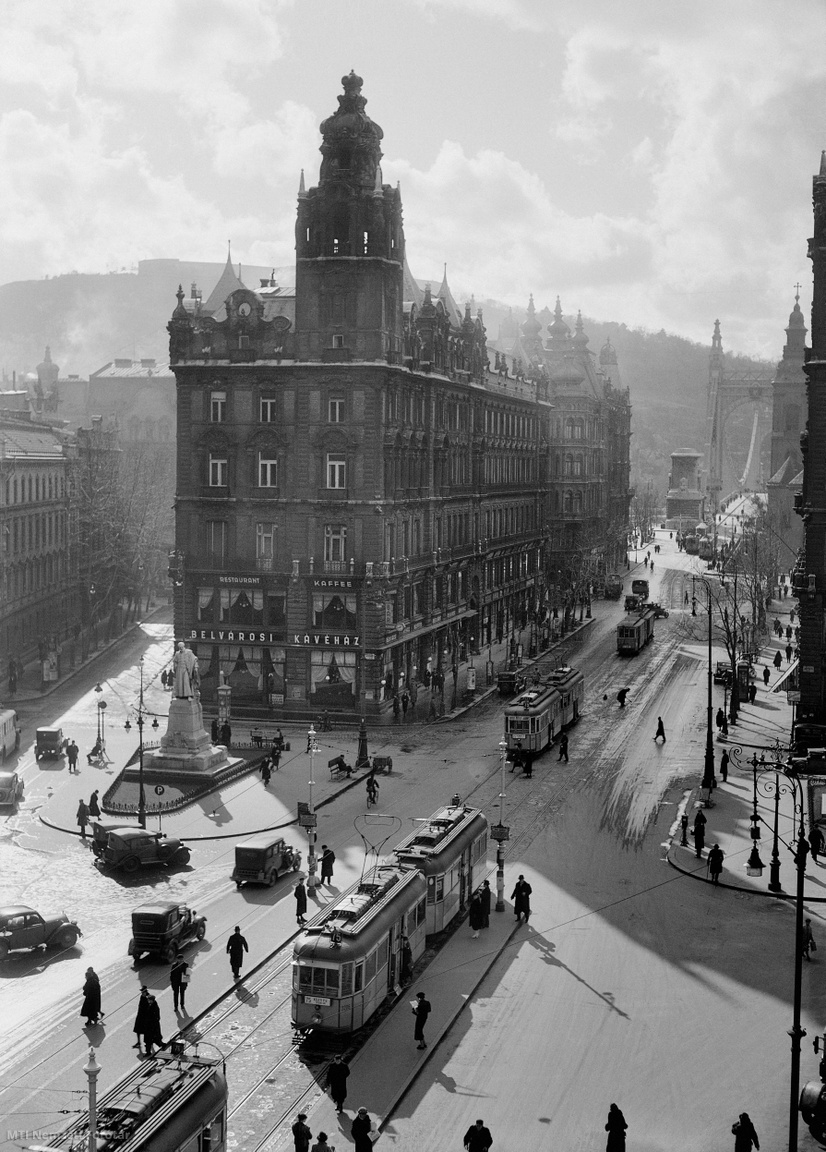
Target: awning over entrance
(780, 686)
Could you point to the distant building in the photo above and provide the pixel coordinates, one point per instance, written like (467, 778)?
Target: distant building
(684, 502)
(788, 422)
(363, 500)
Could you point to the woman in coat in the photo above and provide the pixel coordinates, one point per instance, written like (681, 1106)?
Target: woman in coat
(94, 806)
(142, 1019)
(360, 1131)
(91, 998)
(485, 898)
(153, 1036)
(476, 916)
(300, 903)
(615, 1128)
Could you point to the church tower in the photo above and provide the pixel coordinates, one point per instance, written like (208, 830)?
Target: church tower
(349, 245)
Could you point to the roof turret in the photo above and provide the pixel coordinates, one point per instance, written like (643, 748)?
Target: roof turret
(580, 339)
(558, 329)
(607, 354)
(531, 327)
(351, 149)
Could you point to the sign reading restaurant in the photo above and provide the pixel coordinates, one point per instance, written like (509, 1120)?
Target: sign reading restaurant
(252, 636)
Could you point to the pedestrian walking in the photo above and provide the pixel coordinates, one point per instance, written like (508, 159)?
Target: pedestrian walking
(815, 842)
(475, 916)
(788, 631)
(719, 718)
(300, 894)
(372, 787)
(615, 1127)
(725, 724)
(266, 772)
(563, 747)
(724, 765)
(521, 897)
(301, 1133)
(179, 982)
(360, 1130)
(660, 729)
(752, 693)
(714, 863)
(745, 1137)
(90, 1008)
(791, 616)
(321, 1144)
(275, 759)
(414, 695)
(405, 703)
(236, 947)
(622, 696)
(397, 708)
(699, 833)
(337, 1075)
(328, 859)
(72, 751)
(142, 1020)
(766, 675)
(807, 942)
(94, 805)
(421, 1010)
(788, 653)
(82, 817)
(778, 660)
(226, 734)
(153, 1035)
(405, 960)
(685, 599)
(478, 1137)
(485, 898)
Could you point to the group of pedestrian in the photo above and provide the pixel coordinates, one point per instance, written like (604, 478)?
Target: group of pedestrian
(479, 912)
(86, 812)
(362, 1128)
(221, 733)
(147, 1026)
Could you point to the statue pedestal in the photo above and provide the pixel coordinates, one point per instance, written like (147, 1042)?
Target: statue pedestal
(186, 748)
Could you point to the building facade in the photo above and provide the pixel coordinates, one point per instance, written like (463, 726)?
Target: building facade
(788, 421)
(363, 504)
(684, 501)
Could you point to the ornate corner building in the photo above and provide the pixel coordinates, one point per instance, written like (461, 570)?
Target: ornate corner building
(363, 503)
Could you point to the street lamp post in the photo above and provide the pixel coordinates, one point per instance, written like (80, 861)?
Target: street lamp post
(709, 781)
(312, 748)
(141, 712)
(92, 1070)
(500, 833)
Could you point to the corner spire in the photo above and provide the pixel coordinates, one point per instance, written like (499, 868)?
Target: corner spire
(302, 191)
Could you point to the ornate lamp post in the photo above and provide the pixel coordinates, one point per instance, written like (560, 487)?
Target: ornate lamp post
(500, 833)
(140, 711)
(709, 781)
(312, 748)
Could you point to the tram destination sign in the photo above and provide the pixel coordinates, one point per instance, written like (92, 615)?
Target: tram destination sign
(500, 832)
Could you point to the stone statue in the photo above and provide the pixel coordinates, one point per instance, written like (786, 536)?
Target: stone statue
(187, 676)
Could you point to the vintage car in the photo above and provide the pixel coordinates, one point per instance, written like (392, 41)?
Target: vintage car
(632, 603)
(722, 673)
(127, 849)
(163, 929)
(48, 742)
(22, 927)
(613, 586)
(511, 682)
(263, 858)
(11, 789)
(660, 611)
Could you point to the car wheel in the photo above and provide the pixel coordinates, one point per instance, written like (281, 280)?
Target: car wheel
(273, 877)
(4, 949)
(66, 938)
(169, 953)
(181, 856)
(199, 935)
(130, 864)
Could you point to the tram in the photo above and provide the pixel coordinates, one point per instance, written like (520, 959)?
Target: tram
(538, 715)
(174, 1102)
(705, 548)
(690, 544)
(345, 966)
(633, 635)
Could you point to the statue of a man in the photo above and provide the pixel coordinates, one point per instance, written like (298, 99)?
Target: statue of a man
(187, 676)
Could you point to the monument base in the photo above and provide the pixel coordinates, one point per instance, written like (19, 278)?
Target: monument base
(186, 749)
(160, 768)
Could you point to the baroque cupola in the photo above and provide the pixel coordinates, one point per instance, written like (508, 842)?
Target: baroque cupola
(349, 244)
(558, 329)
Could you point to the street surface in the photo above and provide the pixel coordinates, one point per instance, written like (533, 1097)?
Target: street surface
(632, 982)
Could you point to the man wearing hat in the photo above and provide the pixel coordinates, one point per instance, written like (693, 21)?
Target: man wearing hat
(360, 1131)
(301, 1133)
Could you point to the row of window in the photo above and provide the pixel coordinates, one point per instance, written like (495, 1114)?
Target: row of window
(36, 575)
(578, 465)
(30, 533)
(268, 408)
(31, 488)
(216, 539)
(267, 470)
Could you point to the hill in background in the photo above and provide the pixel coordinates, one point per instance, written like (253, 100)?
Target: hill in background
(88, 320)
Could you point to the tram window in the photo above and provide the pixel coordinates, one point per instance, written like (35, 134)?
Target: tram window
(359, 977)
(347, 979)
(420, 912)
(479, 848)
(212, 1137)
(325, 981)
(305, 978)
(382, 955)
(370, 967)
(435, 889)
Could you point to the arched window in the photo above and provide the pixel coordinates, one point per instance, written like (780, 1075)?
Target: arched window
(567, 502)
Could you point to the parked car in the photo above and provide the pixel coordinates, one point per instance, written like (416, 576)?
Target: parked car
(127, 849)
(660, 611)
(163, 929)
(722, 673)
(22, 927)
(11, 789)
(263, 858)
(632, 603)
(510, 682)
(48, 742)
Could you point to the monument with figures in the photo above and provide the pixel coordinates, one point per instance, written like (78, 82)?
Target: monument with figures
(186, 747)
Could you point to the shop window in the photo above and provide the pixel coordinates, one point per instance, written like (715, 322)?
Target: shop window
(333, 673)
(207, 602)
(335, 612)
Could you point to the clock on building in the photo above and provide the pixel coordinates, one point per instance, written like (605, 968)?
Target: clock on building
(244, 309)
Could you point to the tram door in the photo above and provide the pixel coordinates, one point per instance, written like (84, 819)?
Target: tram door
(393, 954)
(464, 879)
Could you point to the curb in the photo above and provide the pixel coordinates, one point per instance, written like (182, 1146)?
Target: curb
(739, 887)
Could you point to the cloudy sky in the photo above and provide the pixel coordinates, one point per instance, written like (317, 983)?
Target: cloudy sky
(649, 162)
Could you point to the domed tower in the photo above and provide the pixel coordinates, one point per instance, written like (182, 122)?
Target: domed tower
(349, 244)
(559, 331)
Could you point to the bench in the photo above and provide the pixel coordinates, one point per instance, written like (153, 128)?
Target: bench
(339, 767)
(383, 764)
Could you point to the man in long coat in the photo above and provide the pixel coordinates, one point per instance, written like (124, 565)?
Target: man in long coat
(143, 1023)
(236, 947)
(337, 1075)
(521, 897)
(91, 997)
